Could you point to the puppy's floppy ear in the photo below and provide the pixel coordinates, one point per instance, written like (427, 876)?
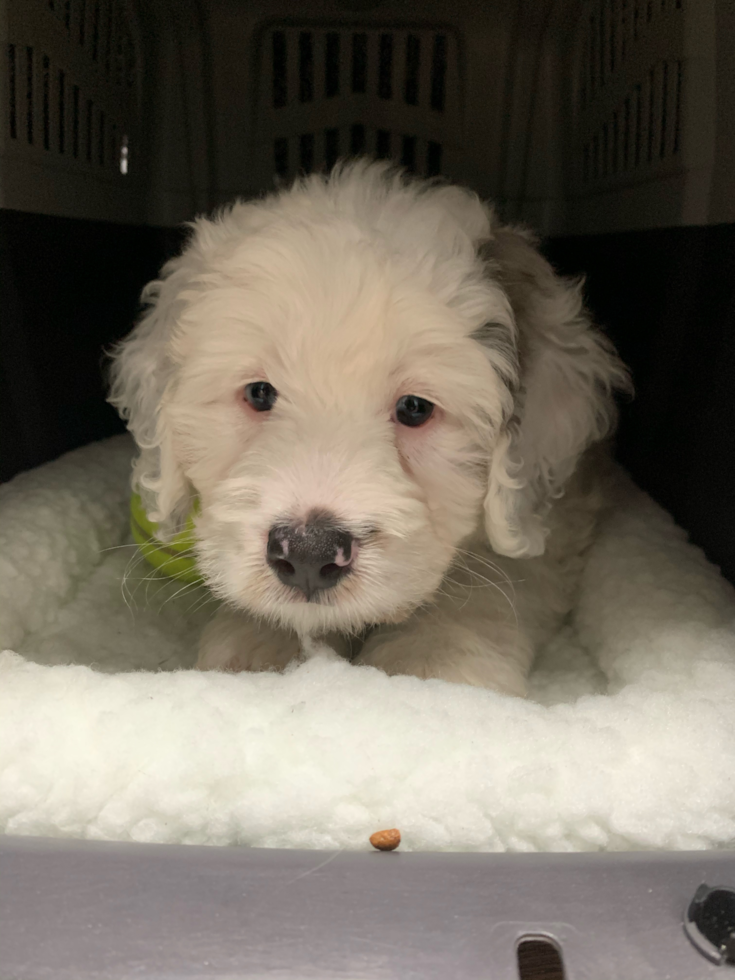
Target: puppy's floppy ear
(140, 374)
(564, 403)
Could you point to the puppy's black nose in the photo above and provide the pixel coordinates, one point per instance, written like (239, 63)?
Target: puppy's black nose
(311, 556)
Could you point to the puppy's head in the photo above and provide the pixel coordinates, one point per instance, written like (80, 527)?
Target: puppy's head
(344, 373)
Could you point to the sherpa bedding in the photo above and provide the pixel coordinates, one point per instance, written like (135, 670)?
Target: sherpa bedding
(628, 740)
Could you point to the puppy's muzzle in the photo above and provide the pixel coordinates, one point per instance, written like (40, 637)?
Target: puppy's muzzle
(310, 556)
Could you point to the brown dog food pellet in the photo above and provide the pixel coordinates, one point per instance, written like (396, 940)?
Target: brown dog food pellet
(386, 840)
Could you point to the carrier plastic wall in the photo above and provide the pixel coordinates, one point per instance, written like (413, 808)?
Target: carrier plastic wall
(578, 115)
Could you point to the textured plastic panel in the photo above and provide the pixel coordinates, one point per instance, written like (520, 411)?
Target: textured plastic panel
(574, 115)
(72, 910)
(71, 90)
(329, 90)
(643, 136)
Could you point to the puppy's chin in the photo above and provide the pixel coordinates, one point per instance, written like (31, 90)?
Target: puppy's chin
(349, 607)
(326, 614)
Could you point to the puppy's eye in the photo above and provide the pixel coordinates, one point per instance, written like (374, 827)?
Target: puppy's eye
(412, 410)
(261, 395)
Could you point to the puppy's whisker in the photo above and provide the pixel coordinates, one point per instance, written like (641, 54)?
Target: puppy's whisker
(489, 583)
(468, 585)
(445, 595)
(166, 582)
(158, 575)
(473, 572)
(490, 565)
(127, 594)
(201, 603)
(482, 560)
(188, 587)
(464, 586)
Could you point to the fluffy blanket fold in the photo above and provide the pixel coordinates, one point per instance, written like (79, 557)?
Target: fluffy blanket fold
(628, 742)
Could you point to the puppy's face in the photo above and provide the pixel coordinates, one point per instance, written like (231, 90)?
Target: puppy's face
(333, 407)
(332, 371)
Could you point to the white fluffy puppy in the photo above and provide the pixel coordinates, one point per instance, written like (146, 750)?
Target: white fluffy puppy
(383, 400)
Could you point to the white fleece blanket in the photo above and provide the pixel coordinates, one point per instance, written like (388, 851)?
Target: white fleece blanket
(628, 741)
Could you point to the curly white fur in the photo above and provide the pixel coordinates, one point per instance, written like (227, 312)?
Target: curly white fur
(346, 293)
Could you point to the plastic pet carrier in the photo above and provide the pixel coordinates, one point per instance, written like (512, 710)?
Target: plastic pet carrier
(605, 125)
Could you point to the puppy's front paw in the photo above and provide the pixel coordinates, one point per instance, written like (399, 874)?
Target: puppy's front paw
(232, 641)
(451, 654)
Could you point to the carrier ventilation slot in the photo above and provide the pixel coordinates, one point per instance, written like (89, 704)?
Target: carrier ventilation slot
(46, 102)
(75, 122)
(385, 67)
(439, 72)
(357, 139)
(82, 33)
(96, 5)
(359, 63)
(61, 113)
(306, 67)
(331, 147)
(88, 131)
(539, 959)
(333, 68)
(279, 69)
(642, 131)
(101, 140)
(12, 93)
(69, 125)
(413, 60)
(306, 152)
(29, 94)
(408, 153)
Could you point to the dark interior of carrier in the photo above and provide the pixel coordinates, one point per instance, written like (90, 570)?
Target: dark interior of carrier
(606, 125)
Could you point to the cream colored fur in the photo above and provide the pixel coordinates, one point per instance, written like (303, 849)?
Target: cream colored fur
(346, 293)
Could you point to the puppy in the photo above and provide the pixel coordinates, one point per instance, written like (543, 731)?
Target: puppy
(384, 402)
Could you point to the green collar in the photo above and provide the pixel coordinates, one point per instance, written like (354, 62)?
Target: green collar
(175, 557)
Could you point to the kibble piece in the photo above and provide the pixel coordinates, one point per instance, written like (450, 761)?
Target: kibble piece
(386, 840)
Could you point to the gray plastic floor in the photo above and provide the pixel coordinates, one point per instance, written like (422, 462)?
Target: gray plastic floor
(75, 910)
